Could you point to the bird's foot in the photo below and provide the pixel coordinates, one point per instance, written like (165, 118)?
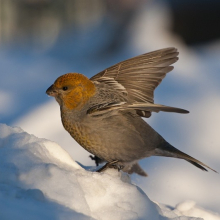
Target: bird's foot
(97, 160)
(114, 164)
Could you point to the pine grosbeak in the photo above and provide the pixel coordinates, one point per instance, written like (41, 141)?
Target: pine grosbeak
(104, 113)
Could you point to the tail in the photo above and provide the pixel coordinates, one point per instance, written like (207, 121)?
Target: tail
(168, 150)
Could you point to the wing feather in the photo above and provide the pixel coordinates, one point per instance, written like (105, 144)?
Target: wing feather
(144, 71)
(154, 108)
(138, 77)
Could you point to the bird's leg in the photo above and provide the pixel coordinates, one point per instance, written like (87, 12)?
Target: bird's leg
(96, 159)
(114, 164)
(107, 165)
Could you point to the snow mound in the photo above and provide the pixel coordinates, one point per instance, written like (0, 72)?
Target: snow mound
(39, 180)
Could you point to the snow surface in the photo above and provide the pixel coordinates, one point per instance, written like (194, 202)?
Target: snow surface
(39, 180)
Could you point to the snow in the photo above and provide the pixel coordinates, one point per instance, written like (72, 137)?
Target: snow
(50, 127)
(39, 180)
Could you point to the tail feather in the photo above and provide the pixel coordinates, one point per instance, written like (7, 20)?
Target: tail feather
(198, 165)
(196, 162)
(168, 150)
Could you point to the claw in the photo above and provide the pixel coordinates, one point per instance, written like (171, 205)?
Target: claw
(114, 164)
(96, 159)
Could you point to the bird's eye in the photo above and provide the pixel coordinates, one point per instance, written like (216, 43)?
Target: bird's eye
(65, 88)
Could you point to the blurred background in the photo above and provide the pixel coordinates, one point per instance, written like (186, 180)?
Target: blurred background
(43, 39)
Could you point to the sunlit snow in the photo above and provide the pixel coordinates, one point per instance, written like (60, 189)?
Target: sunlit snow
(39, 180)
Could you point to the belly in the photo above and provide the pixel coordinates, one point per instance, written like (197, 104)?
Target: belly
(82, 135)
(115, 138)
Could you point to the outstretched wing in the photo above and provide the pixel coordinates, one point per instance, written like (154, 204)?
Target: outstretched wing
(139, 76)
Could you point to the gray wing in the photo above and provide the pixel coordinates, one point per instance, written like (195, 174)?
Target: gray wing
(139, 76)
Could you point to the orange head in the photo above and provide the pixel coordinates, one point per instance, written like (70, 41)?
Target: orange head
(72, 90)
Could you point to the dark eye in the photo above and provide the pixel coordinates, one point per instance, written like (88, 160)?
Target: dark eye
(65, 88)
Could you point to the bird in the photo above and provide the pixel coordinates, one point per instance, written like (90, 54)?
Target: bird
(105, 114)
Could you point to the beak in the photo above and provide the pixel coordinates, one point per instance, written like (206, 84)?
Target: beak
(51, 91)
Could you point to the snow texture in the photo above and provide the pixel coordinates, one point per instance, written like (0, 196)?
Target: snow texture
(39, 180)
